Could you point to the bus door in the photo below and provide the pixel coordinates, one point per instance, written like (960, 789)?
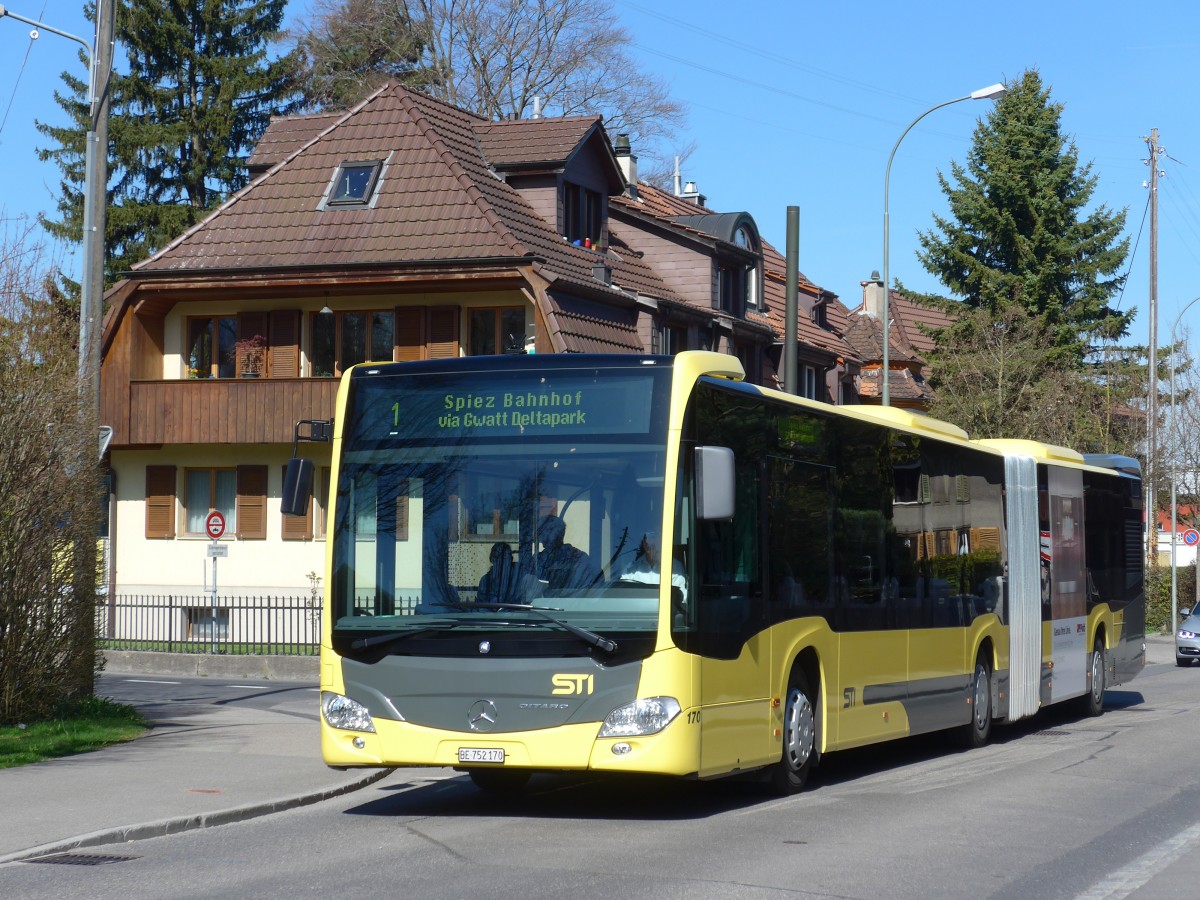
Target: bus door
(870, 614)
(1064, 600)
(732, 638)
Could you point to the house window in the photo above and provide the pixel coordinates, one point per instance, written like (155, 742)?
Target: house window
(210, 342)
(204, 622)
(206, 490)
(731, 288)
(673, 340)
(342, 339)
(809, 386)
(321, 496)
(581, 214)
(497, 331)
(354, 184)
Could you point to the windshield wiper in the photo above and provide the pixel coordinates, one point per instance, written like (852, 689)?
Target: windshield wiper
(376, 639)
(588, 637)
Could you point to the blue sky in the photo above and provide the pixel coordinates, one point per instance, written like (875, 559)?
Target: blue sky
(799, 103)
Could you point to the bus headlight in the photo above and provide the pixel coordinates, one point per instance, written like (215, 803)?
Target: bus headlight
(342, 712)
(647, 716)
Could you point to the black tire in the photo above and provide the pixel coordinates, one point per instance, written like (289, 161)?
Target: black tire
(799, 737)
(1092, 703)
(501, 781)
(978, 731)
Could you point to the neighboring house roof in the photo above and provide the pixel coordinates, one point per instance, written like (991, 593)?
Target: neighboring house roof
(908, 319)
(534, 143)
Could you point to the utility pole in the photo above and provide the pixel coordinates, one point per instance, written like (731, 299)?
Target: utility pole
(95, 204)
(1150, 494)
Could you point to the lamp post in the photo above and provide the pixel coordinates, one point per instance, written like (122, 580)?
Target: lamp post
(91, 285)
(1174, 448)
(988, 93)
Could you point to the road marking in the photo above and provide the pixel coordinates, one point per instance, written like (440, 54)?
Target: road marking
(250, 687)
(1134, 876)
(148, 681)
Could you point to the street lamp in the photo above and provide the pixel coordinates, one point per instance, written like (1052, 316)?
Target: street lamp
(987, 93)
(1174, 450)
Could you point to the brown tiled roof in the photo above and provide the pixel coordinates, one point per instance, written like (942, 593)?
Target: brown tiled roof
(287, 134)
(864, 334)
(588, 327)
(904, 386)
(436, 201)
(533, 142)
(907, 317)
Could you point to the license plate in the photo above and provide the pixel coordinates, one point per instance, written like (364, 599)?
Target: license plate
(480, 755)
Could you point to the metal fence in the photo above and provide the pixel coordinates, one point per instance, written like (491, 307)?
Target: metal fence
(288, 626)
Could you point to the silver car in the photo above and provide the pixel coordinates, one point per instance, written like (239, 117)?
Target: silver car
(1187, 638)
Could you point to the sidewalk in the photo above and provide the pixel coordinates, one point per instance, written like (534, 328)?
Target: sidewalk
(201, 764)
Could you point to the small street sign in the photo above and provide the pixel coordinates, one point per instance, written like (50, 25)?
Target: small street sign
(214, 526)
(215, 550)
(1191, 537)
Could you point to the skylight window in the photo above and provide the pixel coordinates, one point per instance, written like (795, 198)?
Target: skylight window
(354, 184)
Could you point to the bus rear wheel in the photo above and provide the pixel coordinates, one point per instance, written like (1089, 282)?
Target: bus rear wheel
(502, 781)
(977, 732)
(799, 737)
(1092, 703)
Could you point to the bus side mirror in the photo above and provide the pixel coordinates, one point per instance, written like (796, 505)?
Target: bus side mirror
(714, 484)
(297, 487)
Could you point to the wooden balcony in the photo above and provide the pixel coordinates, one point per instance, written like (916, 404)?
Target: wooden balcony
(219, 411)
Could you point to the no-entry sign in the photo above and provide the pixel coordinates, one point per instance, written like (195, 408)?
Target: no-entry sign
(214, 525)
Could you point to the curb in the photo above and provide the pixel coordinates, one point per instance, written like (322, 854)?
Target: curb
(180, 824)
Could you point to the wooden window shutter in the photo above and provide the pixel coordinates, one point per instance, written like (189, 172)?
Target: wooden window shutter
(410, 333)
(160, 502)
(298, 528)
(252, 502)
(283, 353)
(402, 516)
(443, 332)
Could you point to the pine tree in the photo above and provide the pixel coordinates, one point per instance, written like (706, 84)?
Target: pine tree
(197, 90)
(1019, 230)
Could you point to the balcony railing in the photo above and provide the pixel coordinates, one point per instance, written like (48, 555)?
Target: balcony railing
(220, 411)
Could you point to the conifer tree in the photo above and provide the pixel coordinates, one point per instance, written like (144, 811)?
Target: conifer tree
(1020, 231)
(197, 88)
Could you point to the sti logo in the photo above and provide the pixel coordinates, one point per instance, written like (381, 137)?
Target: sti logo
(572, 684)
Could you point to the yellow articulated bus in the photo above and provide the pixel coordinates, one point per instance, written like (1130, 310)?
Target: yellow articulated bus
(641, 564)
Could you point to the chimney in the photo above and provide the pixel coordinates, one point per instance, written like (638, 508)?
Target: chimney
(676, 182)
(873, 296)
(628, 163)
(537, 108)
(691, 194)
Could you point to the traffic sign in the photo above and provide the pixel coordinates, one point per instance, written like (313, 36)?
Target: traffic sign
(214, 525)
(1191, 537)
(215, 550)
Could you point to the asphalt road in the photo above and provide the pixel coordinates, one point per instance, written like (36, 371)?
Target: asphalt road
(1055, 807)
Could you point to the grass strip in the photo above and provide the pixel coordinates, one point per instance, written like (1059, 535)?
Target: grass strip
(77, 727)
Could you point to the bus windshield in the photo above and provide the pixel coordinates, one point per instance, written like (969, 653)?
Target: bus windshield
(498, 500)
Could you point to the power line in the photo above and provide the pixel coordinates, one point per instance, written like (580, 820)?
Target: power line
(17, 83)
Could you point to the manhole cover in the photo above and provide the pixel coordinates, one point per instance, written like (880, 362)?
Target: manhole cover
(80, 859)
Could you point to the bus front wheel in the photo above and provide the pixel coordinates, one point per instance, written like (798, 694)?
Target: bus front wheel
(799, 737)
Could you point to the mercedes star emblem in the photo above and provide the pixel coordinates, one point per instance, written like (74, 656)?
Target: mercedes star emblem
(482, 715)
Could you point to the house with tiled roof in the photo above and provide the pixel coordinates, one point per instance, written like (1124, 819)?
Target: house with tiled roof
(908, 343)
(403, 229)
